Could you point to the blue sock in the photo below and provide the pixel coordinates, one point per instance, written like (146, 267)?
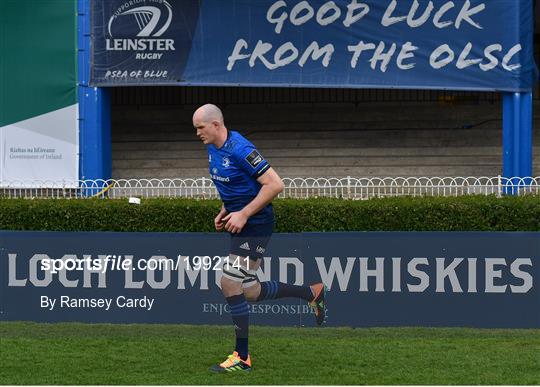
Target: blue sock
(271, 290)
(240, 316)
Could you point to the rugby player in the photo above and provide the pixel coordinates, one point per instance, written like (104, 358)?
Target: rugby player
(247, 185)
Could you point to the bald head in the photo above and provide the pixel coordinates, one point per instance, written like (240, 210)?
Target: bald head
(208, 113)
(208, 120)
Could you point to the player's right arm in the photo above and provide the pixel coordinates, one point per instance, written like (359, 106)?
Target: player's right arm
(218, 220)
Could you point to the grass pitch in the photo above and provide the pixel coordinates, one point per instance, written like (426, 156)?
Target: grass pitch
(73, 353)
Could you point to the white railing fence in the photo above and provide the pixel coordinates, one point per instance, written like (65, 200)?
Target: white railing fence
(343, 187)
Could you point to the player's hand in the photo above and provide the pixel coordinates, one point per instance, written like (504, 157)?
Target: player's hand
(235, 222)
(218, 220)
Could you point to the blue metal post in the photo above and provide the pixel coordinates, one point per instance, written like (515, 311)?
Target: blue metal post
(94, 110)
(517, 137)
(525, 139)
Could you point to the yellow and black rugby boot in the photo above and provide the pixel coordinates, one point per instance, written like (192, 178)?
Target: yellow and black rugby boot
(233, 363)
(318, 304)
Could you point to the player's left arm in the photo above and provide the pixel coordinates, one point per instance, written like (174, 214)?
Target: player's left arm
(271, 186)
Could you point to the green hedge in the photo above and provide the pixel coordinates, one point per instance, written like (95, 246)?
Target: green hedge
(467, 213)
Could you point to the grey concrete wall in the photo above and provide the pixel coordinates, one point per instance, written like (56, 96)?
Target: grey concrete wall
(323, 140)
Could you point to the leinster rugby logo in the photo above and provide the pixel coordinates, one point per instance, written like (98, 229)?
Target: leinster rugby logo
(144, 20)
(147, 18)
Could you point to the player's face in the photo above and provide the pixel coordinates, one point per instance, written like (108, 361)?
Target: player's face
(206, 131)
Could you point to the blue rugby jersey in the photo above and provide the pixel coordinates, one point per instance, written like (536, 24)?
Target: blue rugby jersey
(234, 168)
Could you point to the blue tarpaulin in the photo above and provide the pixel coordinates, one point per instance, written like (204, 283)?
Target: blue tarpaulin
(437, 44)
